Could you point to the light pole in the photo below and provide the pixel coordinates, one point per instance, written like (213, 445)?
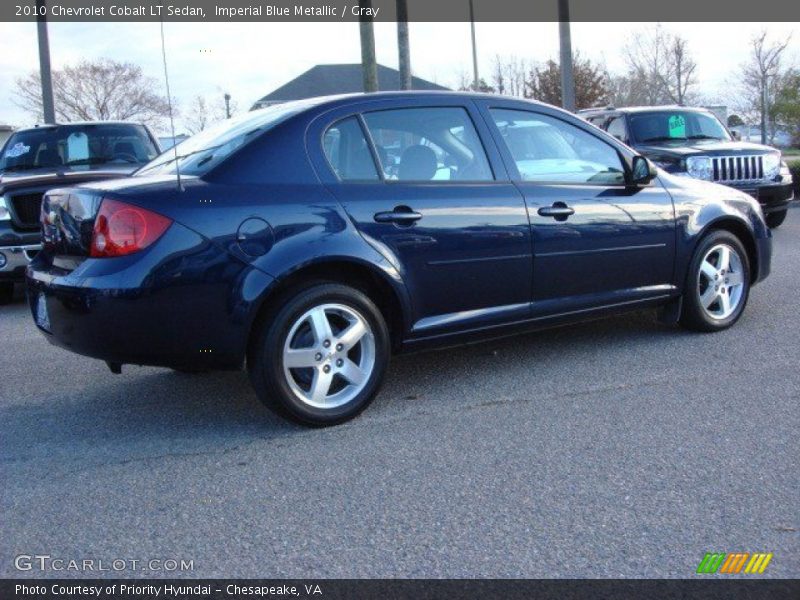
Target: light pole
(567, 78)
(48, 106)
(227, 106)
(475, 79)
(369, 66)
(403, 47)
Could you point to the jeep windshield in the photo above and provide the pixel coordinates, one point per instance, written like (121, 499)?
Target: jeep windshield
(676, 125)
(78, 146)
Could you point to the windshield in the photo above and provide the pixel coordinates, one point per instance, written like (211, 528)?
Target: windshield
(207, 149)
(668, 125)
(78, 146)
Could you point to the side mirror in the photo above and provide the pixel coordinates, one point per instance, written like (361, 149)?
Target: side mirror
(737, 136)
(642, 171)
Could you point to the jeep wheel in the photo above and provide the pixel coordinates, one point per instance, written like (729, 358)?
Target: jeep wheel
(6, 292)
(775, 219)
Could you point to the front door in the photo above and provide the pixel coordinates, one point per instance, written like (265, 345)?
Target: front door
(419, 186)
(597, 240)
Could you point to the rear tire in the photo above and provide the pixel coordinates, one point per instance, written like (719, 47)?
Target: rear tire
(319, 357)
(6, 293)
(776, 219)
(717, 283)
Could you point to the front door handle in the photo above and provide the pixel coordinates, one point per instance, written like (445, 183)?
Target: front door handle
(401, 215)
(559, 211)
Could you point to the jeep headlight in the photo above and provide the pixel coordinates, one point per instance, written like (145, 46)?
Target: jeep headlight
(4, 214)
(772, 165)
(786, 173)
(699, 167)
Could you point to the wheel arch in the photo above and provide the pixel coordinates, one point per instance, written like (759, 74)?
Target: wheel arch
(743, 232)
(382, 287)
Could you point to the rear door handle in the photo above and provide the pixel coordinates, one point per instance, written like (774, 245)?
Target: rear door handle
(401, 215)
(559, 211)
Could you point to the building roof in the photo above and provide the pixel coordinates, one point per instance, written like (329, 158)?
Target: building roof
(330, 80)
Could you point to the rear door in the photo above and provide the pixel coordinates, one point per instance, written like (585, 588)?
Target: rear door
(596, 240)
(425, 190)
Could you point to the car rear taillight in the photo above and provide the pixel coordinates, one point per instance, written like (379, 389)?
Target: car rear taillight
(121, 229)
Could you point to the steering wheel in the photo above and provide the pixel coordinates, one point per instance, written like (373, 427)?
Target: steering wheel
(127, 157)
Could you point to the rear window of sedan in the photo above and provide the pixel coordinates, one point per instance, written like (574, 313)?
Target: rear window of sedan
(207, 149)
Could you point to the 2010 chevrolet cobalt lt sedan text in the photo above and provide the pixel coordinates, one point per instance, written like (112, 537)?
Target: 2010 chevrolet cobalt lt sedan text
(310, 240)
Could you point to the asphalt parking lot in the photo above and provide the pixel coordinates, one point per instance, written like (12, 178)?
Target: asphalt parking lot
(617, 448)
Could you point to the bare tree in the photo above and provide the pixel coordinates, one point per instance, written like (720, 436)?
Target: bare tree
(591, 82)
(198, 117)
(761, 74)
(99, 90)
(509, 75)
(204, 112)
(660, 67)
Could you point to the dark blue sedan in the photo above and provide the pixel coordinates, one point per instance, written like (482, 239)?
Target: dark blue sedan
(310, 240)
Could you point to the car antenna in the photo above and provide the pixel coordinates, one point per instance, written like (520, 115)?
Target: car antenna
(169, 105)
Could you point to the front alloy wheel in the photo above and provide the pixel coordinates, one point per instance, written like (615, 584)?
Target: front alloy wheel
(717, 283)
(320, 354)
(720, 284)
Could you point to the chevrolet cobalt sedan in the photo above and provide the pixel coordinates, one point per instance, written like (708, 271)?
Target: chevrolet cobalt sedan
(311, 240)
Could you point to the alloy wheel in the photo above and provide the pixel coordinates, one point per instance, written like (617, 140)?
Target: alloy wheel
(329, 355)
(720, 281)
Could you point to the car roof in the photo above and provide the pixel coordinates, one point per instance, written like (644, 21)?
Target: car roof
(639, 109)
(341, 99)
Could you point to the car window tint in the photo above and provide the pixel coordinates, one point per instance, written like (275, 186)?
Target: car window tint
(548, 149)
(428, 144)
(348, 152)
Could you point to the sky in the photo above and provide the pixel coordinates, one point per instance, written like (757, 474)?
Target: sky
(249, 60)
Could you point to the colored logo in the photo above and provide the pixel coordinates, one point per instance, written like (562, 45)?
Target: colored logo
(734, 562)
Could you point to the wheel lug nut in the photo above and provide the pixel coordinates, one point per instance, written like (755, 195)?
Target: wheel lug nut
(318, 356)
(327, 343)
(339, 347)
(326, 368)
(339, 362)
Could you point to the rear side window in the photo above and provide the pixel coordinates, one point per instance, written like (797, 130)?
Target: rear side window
(428, 144)
(550, 150)
(348, 152)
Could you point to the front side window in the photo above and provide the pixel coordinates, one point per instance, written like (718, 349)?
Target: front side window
(428, 144)
(676, 125)
(347, 151)
(549, 150)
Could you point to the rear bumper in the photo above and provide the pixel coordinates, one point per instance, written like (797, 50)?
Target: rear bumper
(184, 310)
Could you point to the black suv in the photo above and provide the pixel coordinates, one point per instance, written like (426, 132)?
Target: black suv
(38, 159)
(692, 142)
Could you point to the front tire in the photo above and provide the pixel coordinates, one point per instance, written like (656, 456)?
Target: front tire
(776, 219)
(717, 283)
(319, 358)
